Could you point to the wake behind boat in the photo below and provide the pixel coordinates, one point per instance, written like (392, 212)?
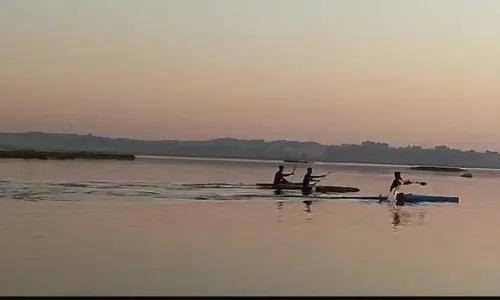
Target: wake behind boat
(320, 188)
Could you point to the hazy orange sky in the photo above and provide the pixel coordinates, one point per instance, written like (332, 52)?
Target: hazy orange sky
(421, 72)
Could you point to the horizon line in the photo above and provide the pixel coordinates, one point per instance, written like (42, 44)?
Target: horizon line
(249, 139)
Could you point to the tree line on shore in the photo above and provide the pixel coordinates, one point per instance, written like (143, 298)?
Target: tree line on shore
(366, 152)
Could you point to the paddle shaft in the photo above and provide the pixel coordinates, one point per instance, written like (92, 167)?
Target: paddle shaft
(293, 173)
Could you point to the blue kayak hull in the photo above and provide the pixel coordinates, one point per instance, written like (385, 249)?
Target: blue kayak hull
(410, 198)
(429, 198)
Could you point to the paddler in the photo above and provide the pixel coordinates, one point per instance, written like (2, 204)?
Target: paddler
(308, 178)
(397, 183)
(279, 178)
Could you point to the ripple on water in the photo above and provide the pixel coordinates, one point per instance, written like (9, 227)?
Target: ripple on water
(141, 191)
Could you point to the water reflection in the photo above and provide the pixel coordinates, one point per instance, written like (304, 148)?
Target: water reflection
(308, 209)
(421, 217)
(399, 218)
(402, 218)
(280, 211)
(308, 205)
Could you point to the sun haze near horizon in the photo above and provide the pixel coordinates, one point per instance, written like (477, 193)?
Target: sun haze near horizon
(402, 72)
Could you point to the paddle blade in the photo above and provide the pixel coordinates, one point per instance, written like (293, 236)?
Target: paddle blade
(423, 183)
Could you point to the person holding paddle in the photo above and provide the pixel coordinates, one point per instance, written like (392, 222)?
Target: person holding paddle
(396, 185)
(279, 178)
(308, 178)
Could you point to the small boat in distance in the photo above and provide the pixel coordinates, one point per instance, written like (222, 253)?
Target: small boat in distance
(297, 161)
(438, 169)
(320, 188)
(466, 175)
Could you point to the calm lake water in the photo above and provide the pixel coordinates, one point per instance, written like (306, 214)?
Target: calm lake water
(171, 226)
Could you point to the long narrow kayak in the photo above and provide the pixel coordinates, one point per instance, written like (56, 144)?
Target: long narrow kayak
(428, 198)
(319, 188)
(410, 198)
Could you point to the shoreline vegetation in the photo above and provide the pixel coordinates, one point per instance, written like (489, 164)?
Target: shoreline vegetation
(62, 155)
(368, 152)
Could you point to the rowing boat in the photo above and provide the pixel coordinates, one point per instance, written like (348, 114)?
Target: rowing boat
(466, 175)
(319, 188)
(409, 198)
(437, 169)
(297, 161)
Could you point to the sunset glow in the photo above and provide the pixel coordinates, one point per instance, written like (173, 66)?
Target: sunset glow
(423, 72)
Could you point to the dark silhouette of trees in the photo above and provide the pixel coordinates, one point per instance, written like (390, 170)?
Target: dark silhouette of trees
(366, 152)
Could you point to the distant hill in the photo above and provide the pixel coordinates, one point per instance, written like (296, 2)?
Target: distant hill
(366, 152)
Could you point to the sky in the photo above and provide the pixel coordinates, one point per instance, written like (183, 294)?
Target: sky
(415, 72)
